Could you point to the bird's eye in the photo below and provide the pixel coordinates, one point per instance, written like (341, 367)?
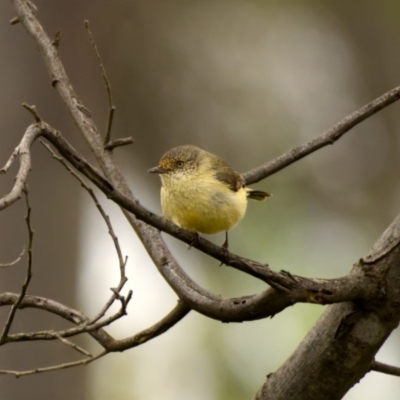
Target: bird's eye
(179, 164)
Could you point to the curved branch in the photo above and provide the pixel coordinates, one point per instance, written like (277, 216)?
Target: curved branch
(172, 318)
(77, 318)
(289, 289)
(294, 289)
(53, 307)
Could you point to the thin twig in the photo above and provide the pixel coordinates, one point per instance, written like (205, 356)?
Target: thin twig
(118, 143)
(56, 308)
(122, 261)
(32, 6)
(111, 105)
(107, 137)
(18, 259)
(32, 110)
(86, 327)
(72, 345)
(113, 297)
(18, 374)
(10, 160)
(385, 368)
(28, 276)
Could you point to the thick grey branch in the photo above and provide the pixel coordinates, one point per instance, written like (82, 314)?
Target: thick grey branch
(341, 347)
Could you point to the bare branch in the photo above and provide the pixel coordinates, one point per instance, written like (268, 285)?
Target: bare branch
(111, 345)
(33, 111)
(72, 345)
(85, 325)
(28, 277)
(385, 368)
(17, 260)
(292, 289)
(327, 138)
(55, 308)
(118, 143)
(179, 312)
(74, 316)
(326, 365)
(111, 105)
(106, 218)
(107, 142)
(22, 150)
(19, 374)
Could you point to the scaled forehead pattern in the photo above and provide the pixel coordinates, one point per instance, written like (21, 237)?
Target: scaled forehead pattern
(184, 153)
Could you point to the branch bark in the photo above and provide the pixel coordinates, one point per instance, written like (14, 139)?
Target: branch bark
(341, 347)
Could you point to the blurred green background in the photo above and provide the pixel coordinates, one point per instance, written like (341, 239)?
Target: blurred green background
(247, 80)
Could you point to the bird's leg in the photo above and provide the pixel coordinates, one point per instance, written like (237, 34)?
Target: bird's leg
(194, 240)
(225, 247)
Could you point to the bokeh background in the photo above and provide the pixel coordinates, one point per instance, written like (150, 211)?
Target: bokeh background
(247, 80)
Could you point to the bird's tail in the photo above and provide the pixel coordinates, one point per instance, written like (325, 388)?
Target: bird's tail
(257, 194)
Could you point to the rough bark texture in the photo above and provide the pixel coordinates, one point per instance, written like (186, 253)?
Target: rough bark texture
(338, 351)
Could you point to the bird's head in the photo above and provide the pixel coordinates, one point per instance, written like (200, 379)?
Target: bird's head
(180, 162)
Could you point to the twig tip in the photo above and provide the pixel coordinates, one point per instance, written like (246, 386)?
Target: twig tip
(32, 110)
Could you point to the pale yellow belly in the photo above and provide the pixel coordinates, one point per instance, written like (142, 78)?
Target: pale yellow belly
(204, 211)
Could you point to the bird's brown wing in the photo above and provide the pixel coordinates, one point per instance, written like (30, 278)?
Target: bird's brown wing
(229, 176)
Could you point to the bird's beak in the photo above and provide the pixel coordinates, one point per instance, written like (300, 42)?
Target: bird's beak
(157, 170)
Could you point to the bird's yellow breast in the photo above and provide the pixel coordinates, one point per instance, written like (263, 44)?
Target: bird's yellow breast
(202, 203)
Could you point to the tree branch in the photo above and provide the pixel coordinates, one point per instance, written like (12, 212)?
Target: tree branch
(340, 348)
(122, 260)
(111, 107)
(327, 138)
(16, 261)
(7, 325)
(385, 368)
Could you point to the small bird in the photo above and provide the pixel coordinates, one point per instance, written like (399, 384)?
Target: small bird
(201, 192)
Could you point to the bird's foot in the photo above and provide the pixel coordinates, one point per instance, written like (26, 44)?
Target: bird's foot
(194, 241)
(225, 250)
